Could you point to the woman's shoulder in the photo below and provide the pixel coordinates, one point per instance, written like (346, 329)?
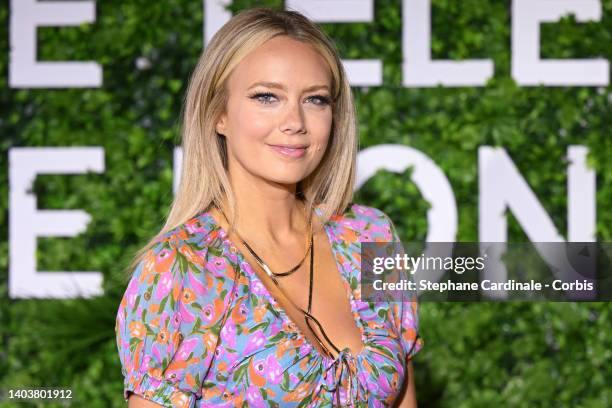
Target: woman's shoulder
(197, 232)
(364, 212)
(369, 223)
(188, 247)
(175, 302)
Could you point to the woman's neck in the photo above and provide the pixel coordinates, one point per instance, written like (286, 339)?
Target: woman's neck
(267, 213)
(271, 220)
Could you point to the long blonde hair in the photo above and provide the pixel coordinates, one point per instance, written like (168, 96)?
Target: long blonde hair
(204, 180)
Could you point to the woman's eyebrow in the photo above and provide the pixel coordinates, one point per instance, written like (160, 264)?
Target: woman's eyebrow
(284, 88)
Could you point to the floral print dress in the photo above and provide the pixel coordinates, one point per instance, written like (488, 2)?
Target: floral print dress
(197, 328)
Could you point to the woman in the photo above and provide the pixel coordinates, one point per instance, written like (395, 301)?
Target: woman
(248, 296)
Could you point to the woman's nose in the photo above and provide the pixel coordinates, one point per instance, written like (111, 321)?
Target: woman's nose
(293, 119)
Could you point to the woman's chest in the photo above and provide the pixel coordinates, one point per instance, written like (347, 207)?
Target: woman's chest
(318, 306)
(260, 357)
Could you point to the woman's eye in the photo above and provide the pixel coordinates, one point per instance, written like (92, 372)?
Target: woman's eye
(263, 97)
(323, 100)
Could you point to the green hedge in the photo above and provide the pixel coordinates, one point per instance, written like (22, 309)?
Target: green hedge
(475, 355)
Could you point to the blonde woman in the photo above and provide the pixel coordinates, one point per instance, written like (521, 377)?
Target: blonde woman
(249, 294)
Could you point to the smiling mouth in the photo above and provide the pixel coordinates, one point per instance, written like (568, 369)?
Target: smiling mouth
(294, 151)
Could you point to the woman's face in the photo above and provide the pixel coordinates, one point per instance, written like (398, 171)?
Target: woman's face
(278, 116)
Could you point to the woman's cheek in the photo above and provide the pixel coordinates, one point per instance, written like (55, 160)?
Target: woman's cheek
(249, 117)
(258, 126)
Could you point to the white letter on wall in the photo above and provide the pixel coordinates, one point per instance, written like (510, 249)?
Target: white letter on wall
(363, 72)
(24, 70)
(503, 188)
(527, 67)
(433, 185)
(418, 69)
(581, 217)
(177, 166)
(215, 15)
(26, 222)
(430, 180)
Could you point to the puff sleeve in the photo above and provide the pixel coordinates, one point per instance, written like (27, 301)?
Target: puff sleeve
(405, 312)
(165, 343)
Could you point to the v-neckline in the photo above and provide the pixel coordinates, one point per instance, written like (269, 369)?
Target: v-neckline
(344, 275)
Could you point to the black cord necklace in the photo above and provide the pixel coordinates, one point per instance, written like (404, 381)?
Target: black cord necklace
(308, 317)
(273, 275)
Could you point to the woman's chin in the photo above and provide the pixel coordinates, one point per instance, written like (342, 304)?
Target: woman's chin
(286, 180)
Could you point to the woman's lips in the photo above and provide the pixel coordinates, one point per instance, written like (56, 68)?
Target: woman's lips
(286, 151)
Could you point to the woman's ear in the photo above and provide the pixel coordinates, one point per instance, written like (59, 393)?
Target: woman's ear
(220, 127)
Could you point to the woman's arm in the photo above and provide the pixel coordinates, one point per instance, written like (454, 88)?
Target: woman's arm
(407, 396)
(161, 355)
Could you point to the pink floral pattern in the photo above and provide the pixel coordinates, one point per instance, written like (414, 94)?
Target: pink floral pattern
(197, 328)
